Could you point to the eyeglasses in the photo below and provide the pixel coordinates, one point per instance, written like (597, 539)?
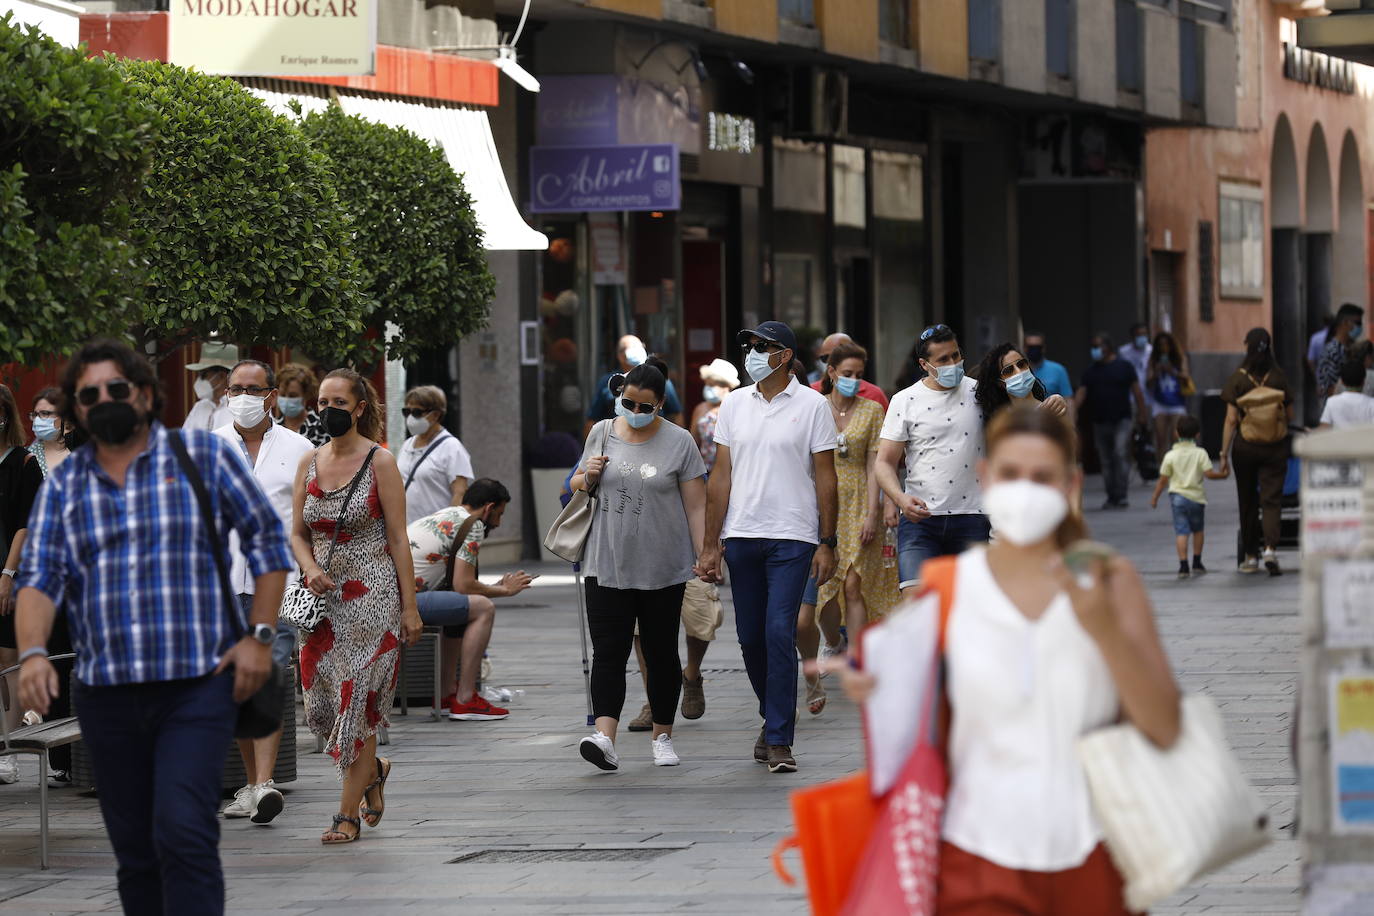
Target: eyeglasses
(931, 331)
(763, 346)
(118, 389)
(637, 407)
(1011, 369)
(409, 412)
(256, 391)
(43, 414)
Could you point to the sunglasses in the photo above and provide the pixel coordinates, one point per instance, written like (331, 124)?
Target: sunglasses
(118, 389)
(931, 331)
(637, 407)
(1011, 369)
(409, 412)
(763, 346)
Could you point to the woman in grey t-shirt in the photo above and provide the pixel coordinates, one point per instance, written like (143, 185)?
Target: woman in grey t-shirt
(650, 516)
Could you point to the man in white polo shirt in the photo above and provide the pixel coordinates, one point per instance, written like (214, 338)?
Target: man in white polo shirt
(274, 453)
(772, 497)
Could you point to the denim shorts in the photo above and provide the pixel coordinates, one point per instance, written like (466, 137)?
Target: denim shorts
(811, 593)
(444, 608)
(936, 536)
(284, 645)
(1188, 515)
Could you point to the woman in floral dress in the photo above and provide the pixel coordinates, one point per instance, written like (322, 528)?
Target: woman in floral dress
(863, 589)
(349, 662)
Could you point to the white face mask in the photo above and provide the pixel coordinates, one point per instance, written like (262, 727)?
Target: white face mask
(247, 410)
(416, 425)
(1024, 512)
(204, 389)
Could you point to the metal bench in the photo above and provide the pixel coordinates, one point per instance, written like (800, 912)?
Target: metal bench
(36, 739)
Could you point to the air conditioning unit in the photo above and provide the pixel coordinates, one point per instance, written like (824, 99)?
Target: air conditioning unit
(819, 105)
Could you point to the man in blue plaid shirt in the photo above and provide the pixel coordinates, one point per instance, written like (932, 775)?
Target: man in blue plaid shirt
(117, 541)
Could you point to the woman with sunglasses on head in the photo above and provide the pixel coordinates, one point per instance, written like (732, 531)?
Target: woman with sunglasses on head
(297, 391)
(650, 514)
(348, 662)
(1036, 655)
(1005, 377)
(862, 589)
(435, 467)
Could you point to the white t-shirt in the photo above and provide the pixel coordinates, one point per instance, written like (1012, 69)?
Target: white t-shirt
(431, 488)
(431, 539)
(772, 478)
(943, 434)
(278, 458)
(208, 415)
(1348, 408)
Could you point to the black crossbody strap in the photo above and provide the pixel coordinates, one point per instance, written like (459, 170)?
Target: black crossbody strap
(432, 446)
(343, 510)
(207, 514)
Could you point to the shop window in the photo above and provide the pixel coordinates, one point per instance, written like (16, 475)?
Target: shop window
(851, 202)
(562, 314)
(1241, 213)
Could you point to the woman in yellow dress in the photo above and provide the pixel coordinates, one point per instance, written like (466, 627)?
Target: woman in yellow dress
(864, 587)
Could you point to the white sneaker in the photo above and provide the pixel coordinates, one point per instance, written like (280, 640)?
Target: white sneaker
(267, 803)
(1271, 561)
(9, 769)
(664, 755)
(600, 751)
(242, 805)
(1248, 565)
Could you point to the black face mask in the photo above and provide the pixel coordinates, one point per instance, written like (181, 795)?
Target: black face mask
(337, 421)
(74, 439)
(113, 422)
(1035, 354)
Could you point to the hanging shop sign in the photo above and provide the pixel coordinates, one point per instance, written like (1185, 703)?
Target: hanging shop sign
(571, 179)
(274, 37)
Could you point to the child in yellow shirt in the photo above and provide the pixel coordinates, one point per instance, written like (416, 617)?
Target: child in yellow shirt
(1183, 469)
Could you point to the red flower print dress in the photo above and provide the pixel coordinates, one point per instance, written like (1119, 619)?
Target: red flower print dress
(348, 664)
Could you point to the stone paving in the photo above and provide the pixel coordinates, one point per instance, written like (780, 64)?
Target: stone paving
(695, 838)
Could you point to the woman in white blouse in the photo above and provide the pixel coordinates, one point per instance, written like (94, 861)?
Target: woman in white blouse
(1035, 657)
(435, 467)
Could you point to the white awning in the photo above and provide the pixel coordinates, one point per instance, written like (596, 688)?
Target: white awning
(463, 134)
(465, 137)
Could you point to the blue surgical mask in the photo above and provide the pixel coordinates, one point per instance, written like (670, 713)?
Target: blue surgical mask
(847, 387)
(756, 364)
(291, 407)
(1096, 354)
(710, 394)
(950, 376)
(1141, 342)
(45, 428)
(1355, 331)
(1021, 384)
(636, 420)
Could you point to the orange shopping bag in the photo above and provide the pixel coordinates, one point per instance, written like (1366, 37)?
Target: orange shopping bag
(834, 821)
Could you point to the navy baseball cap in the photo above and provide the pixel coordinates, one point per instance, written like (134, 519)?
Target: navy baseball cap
(775, 331)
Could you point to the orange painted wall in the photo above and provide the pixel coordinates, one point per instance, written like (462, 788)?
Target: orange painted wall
(1183, 168)
(849, 27)
(756, 19)
(940, 36)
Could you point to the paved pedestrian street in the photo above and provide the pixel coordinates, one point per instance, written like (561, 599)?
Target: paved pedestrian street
(505, 817)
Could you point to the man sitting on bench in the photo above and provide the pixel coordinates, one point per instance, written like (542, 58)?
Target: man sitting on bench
(444, 547)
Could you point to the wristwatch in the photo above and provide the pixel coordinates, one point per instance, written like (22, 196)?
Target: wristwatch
(264, 633)
(830, 542)
(9, 572)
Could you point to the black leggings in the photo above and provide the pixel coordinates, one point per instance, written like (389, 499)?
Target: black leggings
(611, 617)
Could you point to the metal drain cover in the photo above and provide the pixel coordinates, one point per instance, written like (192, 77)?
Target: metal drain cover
(522, 856)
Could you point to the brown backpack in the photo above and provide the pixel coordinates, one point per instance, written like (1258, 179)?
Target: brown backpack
(1263, 414)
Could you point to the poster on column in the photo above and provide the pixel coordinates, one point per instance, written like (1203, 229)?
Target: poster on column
(1348, 603)
(275, 37)
(1352, 751)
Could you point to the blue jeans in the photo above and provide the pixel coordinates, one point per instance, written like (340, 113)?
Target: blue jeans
(936, 536)
(768, 578)
(284, 644)
(158, 752)
(444, 609)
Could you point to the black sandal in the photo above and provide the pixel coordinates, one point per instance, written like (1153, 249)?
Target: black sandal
(373, 816)
(342, 819)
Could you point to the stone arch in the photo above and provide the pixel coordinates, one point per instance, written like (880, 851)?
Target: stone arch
(1285, 191)
(1320, 210)
(1349, 284)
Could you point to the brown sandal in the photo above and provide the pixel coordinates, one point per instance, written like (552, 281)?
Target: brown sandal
(373, 816)
(342, 819)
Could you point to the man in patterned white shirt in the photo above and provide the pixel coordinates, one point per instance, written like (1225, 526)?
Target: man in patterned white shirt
(456, 599)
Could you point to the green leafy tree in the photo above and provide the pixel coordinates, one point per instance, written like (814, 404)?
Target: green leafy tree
(417, 235)
(75, 143)
(241, 228)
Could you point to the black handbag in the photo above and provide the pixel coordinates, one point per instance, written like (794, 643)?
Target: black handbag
(260, 714)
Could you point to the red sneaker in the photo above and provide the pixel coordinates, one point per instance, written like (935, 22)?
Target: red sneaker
(447, 703)
(475, 710)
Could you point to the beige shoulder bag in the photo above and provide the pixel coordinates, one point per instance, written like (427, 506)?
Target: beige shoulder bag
(567, 537)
